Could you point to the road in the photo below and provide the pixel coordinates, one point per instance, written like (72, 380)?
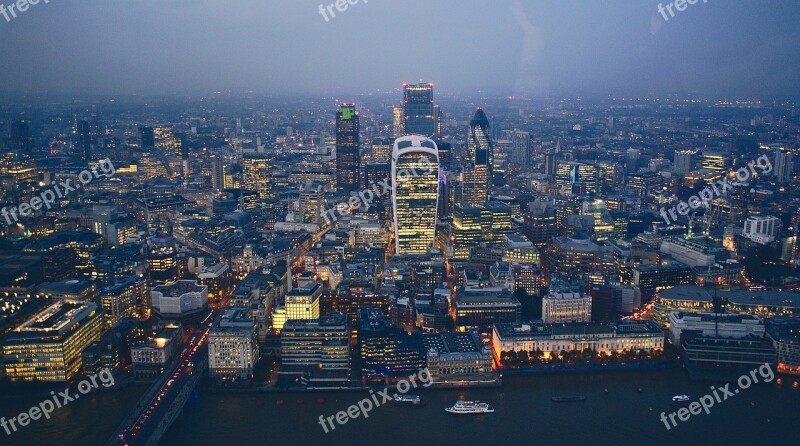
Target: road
(156, 404)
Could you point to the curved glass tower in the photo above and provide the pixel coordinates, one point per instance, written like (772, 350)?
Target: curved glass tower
(415, 193)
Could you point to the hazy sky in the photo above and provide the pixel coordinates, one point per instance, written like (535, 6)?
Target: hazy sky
(525, 47)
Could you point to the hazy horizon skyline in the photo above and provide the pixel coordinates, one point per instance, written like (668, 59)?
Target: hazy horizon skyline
(524, 49)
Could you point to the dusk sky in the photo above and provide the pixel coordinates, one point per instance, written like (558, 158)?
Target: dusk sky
(529, 48)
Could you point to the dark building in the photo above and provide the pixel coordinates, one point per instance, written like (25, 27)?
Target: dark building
(21, 137)
(348, 158)
(148, 137)
(385, 351)
(418, 110)
(84, 142)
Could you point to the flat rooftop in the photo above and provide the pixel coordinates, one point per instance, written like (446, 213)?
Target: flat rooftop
(179, 288)
(687, 292)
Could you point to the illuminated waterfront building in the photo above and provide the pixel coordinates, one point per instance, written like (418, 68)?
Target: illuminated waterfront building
(348, 157)
(233, 345)
(48, 346)
(479, 308)
(318, 349)
(415, 193)
(599, 337)
(151, 357)
(785, 335)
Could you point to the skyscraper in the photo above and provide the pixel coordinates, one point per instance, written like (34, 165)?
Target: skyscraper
(21, 137)
(419, 113)
(257, 174)
(475, 180)
(415, 193)
(684, 162)
(84, 142)
(148, 137)
(521, 151)
(784, 165)
(348, 158)
(478, 137)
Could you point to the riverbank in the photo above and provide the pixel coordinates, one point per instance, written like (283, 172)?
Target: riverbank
(588, 368)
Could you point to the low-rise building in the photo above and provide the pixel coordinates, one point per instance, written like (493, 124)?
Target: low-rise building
(458, 359)
(600, 337)
(718, 325)
(151, 357)
(179, 298)
(479, 308)
(784, 332)
(685, 298)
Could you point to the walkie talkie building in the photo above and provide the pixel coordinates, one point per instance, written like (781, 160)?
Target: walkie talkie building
(415, 193)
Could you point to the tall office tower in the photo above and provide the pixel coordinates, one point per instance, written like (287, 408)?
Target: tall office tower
(348, 159)
(84, 142)
(148, 137)
(521, 150)
(550, 164)
(784, 165)
(632, 160)
(684, 162)
(21, 137)
(478, 137)
(445, 149)
(419, 113)
(217, 174)
(375, 176)
(398, 122)
(257, 174)
(415, 193)
(382, 150)
(438, 120)
(475, 180)
(312, 201)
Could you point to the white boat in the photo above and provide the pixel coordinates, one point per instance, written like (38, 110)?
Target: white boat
(470, 407)
(680, 398)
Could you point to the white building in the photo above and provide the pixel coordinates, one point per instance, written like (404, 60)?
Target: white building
(761, 230)
(179, 298)
(232, 345)
(559, 307)
(728, 325)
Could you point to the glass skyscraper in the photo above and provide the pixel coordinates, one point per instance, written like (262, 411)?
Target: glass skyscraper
(415, 193)
(348, 158)
(419, 112)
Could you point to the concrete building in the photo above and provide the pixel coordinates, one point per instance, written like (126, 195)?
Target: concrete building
(318, 350)
(710, 325)
(151, 357)
(559, 307)
(761, 230)
(179, 298)
(233, 345)
(480, 308)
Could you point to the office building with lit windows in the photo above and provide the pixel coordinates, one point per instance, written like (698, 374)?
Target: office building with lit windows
(256, 174)
(569, 306)
(128, 297)
(348, 157)
(415, 193)
(570, 173)
(419, 112)
(317, 349)
(233, 345)
(479, 308)
(599, 337)
(478, 140)
(48, 346)
(303, 303)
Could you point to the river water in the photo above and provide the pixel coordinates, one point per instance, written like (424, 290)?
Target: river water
(524, 415)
